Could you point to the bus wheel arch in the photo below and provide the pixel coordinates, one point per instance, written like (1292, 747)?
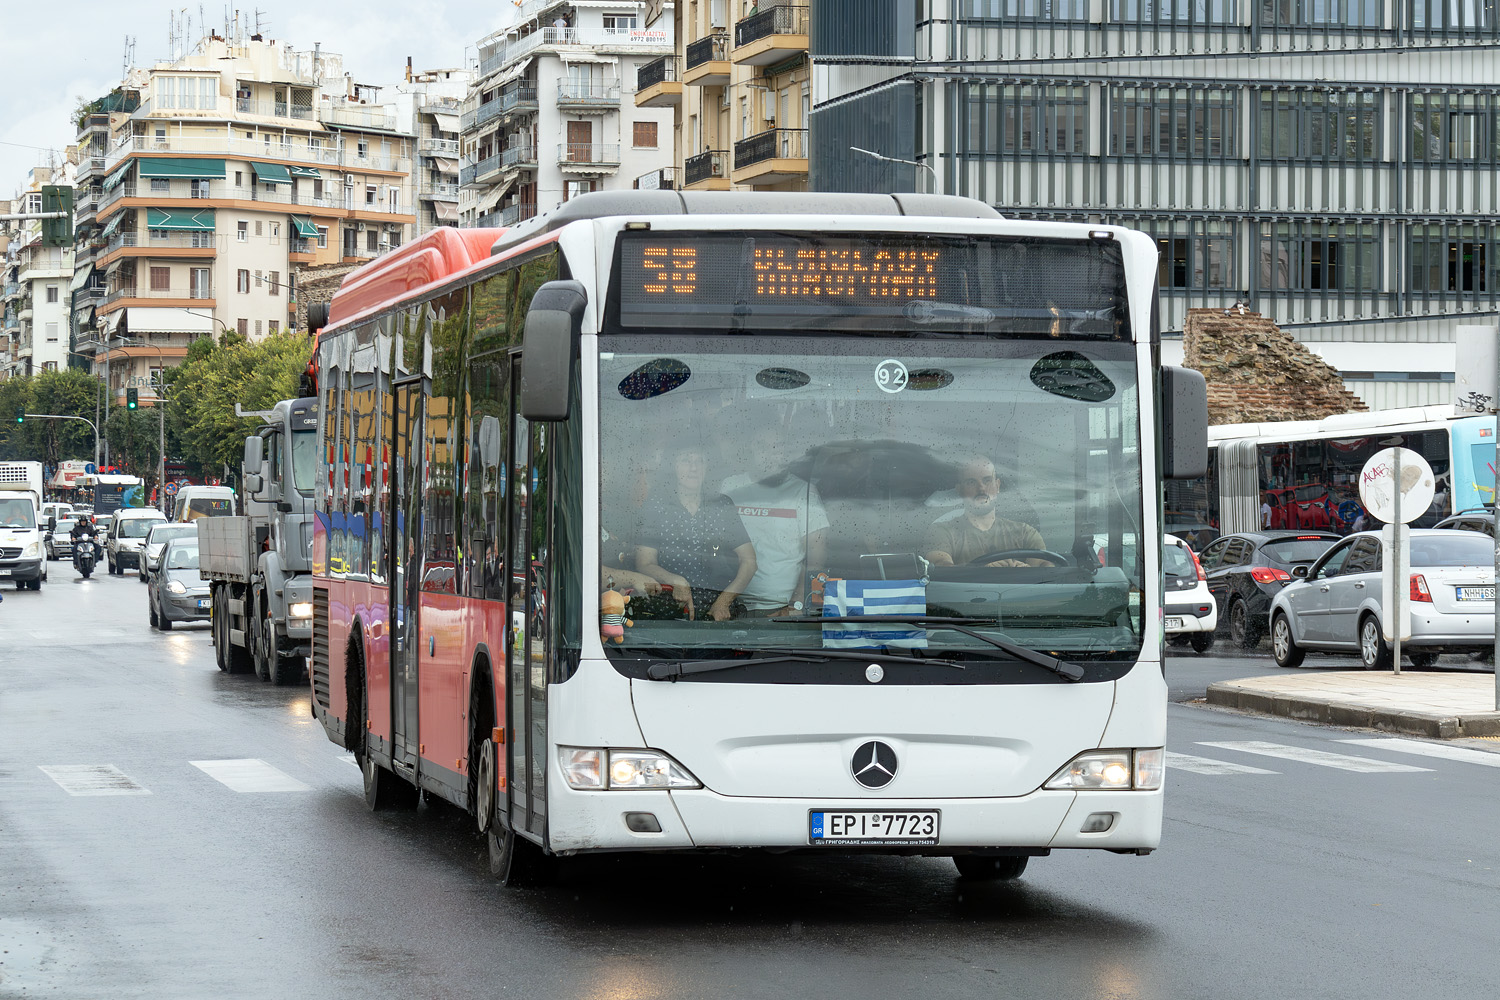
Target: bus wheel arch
(484, 753)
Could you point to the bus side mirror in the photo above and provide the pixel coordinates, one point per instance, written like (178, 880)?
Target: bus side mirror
(554, 325)
(1184, 424)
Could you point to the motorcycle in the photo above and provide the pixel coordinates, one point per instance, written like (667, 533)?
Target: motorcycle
(85, 555)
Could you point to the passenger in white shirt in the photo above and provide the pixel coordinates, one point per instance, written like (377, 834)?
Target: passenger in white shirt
(786, 522)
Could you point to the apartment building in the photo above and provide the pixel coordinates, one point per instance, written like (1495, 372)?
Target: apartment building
(549, 116)
(36, 281)
(740, 89)
(428, 106)
(1331, 165)
(223, 172)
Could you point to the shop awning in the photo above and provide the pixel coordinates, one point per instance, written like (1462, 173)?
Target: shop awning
(200, 221)
(114, 179)
(169, 167)
(514, 73)
(445, 165)
(447, 123)
(113, 224)
(112, 321)
(445, 210)
(145, 319)
(304, 227)
(312, 172)
(81, 277)
(270, 173)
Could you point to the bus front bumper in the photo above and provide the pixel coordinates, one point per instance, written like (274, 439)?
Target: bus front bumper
(597, 821)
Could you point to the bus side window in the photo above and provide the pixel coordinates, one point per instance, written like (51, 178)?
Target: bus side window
(484, 475)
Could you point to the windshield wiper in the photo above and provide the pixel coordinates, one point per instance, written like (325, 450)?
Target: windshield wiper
(672, 671)
(1064, 669)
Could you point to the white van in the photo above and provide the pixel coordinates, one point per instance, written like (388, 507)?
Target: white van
(127, 535)
(193, 502)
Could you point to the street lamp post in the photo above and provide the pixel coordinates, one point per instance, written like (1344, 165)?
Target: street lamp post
(161, 417)
(896, 159)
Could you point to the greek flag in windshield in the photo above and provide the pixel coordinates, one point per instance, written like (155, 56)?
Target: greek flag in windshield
(843, 598)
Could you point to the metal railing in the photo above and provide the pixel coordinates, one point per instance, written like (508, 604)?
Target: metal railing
(663, 70)
(301, 244)
(517, 96)
(200, 240)
(519, 155)
(273, 109)
(664, 179)
(356, 116)
(485, 167)
(439, 192)
(438, 147)
(709, 48)
(588, 92)
(135, 292)
(507, 51)
(704, 166)
(439, 105)
(776, 21)
(334, 199)
(589, 152)
(256, 149)
(776, 143)
(510, 215)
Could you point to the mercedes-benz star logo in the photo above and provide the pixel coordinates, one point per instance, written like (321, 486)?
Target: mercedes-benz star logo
(874, 764)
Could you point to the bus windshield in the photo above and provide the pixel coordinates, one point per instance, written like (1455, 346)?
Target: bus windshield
(757, 478)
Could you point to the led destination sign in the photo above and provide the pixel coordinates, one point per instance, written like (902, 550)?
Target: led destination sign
(999, 285)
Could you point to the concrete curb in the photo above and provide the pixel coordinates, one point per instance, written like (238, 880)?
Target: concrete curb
(1256, 695)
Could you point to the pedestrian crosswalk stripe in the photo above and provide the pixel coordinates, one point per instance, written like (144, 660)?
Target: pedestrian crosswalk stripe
(249, 775)
(1320, 757)
(1203, 765)
(92, 779)
(1484, 757)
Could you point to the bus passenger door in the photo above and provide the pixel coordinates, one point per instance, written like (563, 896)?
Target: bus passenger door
(526, 651)
(405, 572)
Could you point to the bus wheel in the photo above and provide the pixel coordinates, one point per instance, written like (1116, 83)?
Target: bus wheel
(484, 787)
(383, 790)
(987, 868)
(517, 862)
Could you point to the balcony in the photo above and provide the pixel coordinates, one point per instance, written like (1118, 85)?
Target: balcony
(473, 173)
(193, 295)
(506, 51)
(658, 84)
(439, 192)
(519, 157)
(172, 244)
(220, 191)
(585, 96)
(771, 36)
(520, 98)
(664, 179)
(88, 166)
(588, 157)
(333, 154)
(512, 215)
(774, 156)
(438, 105)
(357, 116)
(706, 171)
(707, 62)
(274, 109)
(437, 147)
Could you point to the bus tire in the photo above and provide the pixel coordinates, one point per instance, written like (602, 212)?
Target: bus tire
(989, 868)
(1374, 654)
(1283, 647)
(484, 753)
(517, 862)
(383, 789)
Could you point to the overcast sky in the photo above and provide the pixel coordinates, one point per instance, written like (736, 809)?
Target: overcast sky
(56, 54)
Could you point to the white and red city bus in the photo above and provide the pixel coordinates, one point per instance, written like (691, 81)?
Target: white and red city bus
(879, 476)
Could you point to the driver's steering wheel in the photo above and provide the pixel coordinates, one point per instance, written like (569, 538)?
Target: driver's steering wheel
(1055, 558)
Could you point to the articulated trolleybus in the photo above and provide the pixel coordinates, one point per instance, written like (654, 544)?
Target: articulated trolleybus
(674, 521)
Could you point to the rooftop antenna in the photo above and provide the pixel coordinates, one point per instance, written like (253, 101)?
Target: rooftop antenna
(129, 56)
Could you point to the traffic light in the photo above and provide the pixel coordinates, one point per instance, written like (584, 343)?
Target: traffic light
(132, 398)
(57, 232)
(20, 414)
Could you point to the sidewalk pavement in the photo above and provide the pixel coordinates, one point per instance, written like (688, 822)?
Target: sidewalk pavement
(1422, 703)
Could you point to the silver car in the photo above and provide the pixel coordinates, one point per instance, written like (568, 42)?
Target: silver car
(1336, 607)
(157, 540)
(176, 592)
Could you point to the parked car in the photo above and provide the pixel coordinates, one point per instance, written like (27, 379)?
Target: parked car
(127, 533)
(177, 593)
(1246, 570)
(1479, 519)
(1188, 609)
(1336, 609)
(59, 539)
(157, 539)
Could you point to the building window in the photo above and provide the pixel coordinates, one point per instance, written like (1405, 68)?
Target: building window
(1319, 257)
(259, 227)
(242, 280)
(161, 185)
(317, 190)
(1319, 125)
(393, 200)
(257, 328)
(620, 23)
(191, 93)
(363, 148)
(1025, 119)
(372, 240)
(1453, 260)
(242, 326)
(322, 237)
(986, 10)
(242, 232)
(199, 188)
(161, 279)
(273, 327)
(275, 230)
(51, 293)
(273, 281)
(572, 189)
(1324, 13)
(239, 178)
(643, 135)
(1452, 17)
(371, 191)
(1178, 122)
(257, 279)
(51, 333)
(1176, 11)
(202, 285)
(1453, 128)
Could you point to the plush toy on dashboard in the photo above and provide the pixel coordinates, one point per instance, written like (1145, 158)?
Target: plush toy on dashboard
(612, 620)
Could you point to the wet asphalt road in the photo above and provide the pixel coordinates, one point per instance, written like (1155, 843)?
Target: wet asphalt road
(1278, 877)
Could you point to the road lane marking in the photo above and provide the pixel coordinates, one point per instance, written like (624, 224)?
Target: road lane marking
(1431, 750)
(1320, 757)
(249, 776)
(350, 758)
(92, 779)
(1203, 765)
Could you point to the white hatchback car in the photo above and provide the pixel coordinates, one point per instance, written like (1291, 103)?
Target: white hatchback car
(1188, 609)
(1336, 609)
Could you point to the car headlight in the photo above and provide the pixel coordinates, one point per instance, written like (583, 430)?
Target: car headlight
(1111, 771)
(302, 609)
(600, 769)
(176, 587)
(33, 550)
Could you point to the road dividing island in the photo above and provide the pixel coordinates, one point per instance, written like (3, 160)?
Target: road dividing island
(1440, 706)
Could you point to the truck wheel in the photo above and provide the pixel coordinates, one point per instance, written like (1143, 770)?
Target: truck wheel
(219, 628)
(240, 661)
(285, 670)
(255, 636)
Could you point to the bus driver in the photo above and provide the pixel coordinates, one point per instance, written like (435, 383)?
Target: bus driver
(978, 529)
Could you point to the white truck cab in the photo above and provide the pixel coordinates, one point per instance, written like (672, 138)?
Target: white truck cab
(23, 554)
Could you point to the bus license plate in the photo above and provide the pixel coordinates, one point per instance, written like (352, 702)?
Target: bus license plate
(1174, 623)
(1476, 593)
(874, 827)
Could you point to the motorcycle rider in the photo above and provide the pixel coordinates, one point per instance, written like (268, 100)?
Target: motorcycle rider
(84, 528)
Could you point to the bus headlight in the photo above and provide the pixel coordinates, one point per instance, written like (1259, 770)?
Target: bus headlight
(596, 768)
(302, 609)
(1112, 771)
